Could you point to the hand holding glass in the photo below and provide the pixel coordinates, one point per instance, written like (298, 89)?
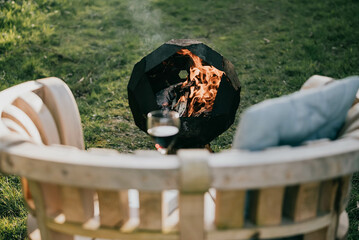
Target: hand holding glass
(163, 126)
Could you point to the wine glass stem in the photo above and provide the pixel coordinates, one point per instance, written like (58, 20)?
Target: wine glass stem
(163, 151)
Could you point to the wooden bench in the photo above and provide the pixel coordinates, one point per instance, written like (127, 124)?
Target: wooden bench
(279, 192)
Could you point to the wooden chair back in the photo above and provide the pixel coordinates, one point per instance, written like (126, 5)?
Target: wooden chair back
(275, 193)
(44, 112)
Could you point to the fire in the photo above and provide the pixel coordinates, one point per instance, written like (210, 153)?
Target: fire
(203, 82)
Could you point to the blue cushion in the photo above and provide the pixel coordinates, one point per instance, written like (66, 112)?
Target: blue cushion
(301, 116)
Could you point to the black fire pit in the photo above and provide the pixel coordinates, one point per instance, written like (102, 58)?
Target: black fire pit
(158, 80)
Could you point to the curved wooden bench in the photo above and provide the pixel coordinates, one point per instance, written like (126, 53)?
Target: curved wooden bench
(275, 193)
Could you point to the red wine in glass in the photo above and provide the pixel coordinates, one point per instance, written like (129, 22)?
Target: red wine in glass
(163, 135)
(163, 126)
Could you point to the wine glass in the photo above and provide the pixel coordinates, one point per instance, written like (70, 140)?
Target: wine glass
(163, 126)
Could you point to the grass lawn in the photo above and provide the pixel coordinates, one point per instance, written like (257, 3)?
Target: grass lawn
(93, 45)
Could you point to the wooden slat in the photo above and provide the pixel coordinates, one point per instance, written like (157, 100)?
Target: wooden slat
(301, 202)
(41, 215)
(18, 116)
(40, 209)
(327, 194)
(344, 191)
(170, 211)
(78, 204)
(229, 209)
(191, 216)
(29, 203)
(266, 206)
(320, 234)
(114, 208)
(332, 227)
(194, 182)
(150, 210)
(113, 205)
(326, 233)
(14, 127)
(154, 209)
(210, 209)
(170, 202)
(7, 96)
(35, 108)
(286, 229)
(62, 105)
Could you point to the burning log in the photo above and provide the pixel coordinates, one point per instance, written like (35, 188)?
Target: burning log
(173, 98)
(167, 97)
(181, 106)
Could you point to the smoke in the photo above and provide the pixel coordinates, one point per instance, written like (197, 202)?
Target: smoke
(147, 20)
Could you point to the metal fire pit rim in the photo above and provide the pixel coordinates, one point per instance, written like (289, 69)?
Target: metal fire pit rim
(171, 47)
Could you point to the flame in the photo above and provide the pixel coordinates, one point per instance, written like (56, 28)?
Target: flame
(203, 82)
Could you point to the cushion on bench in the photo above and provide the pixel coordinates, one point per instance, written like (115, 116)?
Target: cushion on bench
(302, 116)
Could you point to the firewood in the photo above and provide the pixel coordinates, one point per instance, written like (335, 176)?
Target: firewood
(182, 106)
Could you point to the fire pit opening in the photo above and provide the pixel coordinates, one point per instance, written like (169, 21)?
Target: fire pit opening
(188, 77)
(188, 85)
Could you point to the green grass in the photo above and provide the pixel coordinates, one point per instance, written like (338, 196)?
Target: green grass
(12, 211)
(93, 45)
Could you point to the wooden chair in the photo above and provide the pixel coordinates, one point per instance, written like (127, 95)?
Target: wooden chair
(292, 191)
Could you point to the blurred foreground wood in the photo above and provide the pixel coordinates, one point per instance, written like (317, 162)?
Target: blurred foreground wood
(292, 191)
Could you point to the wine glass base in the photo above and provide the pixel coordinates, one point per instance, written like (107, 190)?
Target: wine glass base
(163, 151)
